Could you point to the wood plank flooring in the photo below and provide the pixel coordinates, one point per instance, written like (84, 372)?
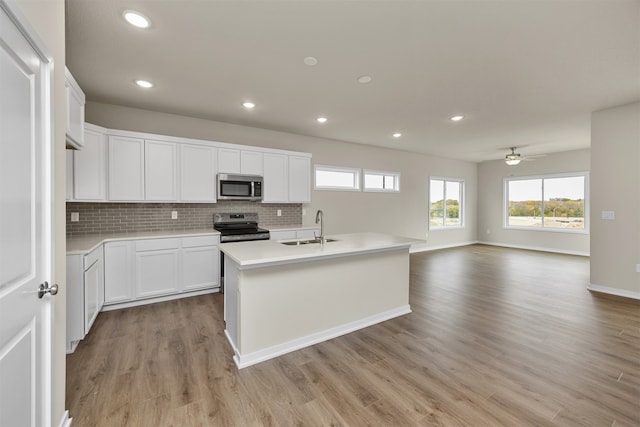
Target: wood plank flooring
(497, 337)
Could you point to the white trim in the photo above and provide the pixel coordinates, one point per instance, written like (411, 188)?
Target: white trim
(613, 291)
(65, 421)
(242, 361)
(417, 248)
(535, 248)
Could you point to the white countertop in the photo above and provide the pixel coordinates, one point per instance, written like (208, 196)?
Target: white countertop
(85, 244)
(290, 227)
(268, 252)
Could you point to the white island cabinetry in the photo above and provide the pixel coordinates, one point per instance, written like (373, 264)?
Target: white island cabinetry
(280, 298)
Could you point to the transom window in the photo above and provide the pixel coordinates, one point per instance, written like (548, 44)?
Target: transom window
(381, 181)
(337, 178)
(551, 202)
(445, 202)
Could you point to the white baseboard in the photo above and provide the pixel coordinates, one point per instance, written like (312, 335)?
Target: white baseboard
(415, 248)
(535, 248)
(66, 421)
(614, 291)
(244, 360)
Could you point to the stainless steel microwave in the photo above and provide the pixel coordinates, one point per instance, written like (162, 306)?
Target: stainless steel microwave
(239, 187)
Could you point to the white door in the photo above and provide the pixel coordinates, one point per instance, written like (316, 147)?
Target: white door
(25, 225)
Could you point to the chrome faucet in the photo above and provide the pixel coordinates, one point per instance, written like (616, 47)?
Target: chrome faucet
(320, 219)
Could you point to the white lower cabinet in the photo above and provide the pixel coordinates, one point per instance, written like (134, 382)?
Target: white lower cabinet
(119, 268)
(156, 267)
(139, 271)
(85, 294)
(198, 270)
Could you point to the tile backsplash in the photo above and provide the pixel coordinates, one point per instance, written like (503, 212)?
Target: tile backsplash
(96, 218)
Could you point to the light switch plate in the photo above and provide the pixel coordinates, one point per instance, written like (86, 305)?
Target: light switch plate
(75, 216)
(174, 214)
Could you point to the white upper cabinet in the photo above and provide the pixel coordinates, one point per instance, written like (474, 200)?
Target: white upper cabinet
(299, 179)
(90, 167)
(228, 160)
(276, 178)
(126, 168)
(160, 170)
(251, 162)
(198, 168)
(75, 100)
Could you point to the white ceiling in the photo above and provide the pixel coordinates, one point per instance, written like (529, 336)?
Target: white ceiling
(523, 73)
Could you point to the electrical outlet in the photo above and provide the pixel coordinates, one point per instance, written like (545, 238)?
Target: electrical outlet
(75, 216)
(608, 215)
(279, 212)
(174, 214)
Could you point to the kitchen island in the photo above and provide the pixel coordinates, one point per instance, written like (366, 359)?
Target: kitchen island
(281, 297)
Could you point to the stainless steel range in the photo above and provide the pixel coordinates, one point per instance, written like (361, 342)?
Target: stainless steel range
(237, 227)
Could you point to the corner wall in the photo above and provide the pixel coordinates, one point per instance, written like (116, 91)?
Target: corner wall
(403, 214)
(615, 177)
(490, 205)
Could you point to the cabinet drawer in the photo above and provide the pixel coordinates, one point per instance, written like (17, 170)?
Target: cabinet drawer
(156, 244)
(92, 257)
(196, 241)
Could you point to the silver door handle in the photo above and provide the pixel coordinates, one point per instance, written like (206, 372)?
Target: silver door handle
(44, 288)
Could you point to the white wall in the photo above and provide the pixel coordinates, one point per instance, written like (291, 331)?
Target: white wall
(490, 204)
(615, 176)
(47, 18)
(404, 213)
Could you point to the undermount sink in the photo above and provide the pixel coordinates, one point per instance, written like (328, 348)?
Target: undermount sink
(306, 242)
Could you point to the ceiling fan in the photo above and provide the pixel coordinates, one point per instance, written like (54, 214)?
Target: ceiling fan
(514, 158)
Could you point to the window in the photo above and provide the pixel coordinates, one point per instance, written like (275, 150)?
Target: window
(337, 178)
(550, 202)
(381, 181)
(445, 202)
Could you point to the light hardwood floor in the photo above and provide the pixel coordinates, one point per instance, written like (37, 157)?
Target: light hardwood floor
(497, 337)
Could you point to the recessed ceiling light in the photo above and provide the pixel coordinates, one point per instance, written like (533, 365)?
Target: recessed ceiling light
(136, 19)
(310, 61)
(248, 105)
(456, 118)
(397, 135)
(364, 79)
(145, 84)
(321, 120)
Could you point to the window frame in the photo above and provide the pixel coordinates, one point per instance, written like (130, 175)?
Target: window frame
(461, 207)
(395, 175)
(543, 177)
(341, 169)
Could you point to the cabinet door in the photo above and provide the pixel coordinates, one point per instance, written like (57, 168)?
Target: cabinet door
(251, 162)
(92, 282)
(126, 166)
(198, 168)
(119, 271)
(156, 273)
(75, 297)
(90, 168)
(299, 179)
(228, 160)
(276, 178)
(160, 170)
(75, 99)
(200, 267)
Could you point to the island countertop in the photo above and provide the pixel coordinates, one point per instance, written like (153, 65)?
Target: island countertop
(262, 253)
